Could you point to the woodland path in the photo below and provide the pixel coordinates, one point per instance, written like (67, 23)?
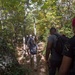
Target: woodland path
(41, 64)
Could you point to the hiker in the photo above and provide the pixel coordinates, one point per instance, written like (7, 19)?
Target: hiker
(53, 57)
(33, 51)
(68, 62)
(32, 45)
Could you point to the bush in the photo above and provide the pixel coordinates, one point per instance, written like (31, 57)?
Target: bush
(9, 61)
(16, 70)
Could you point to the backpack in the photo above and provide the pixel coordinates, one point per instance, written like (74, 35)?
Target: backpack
(32, 46)
(30, 42)
(33, 50)
(60, 43)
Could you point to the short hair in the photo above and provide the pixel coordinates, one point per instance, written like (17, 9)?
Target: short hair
(52, 28)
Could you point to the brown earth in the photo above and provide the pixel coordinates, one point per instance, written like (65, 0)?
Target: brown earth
(26, 60)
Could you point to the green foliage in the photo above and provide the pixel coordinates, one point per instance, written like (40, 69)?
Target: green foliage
(14, 70)
(47, 14)
(16, 21)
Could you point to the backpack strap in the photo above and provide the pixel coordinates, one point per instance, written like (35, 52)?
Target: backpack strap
(54, 43)
(57, 37)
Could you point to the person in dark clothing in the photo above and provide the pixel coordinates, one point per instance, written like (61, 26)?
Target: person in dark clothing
(33, 51)
(52, 58)
(68, 62)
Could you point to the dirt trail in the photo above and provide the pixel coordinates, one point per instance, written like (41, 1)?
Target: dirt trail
(41, 64)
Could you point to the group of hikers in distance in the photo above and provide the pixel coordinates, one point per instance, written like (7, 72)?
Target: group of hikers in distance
(60, 52)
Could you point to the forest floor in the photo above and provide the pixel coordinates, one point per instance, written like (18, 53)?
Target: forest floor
(40, 63)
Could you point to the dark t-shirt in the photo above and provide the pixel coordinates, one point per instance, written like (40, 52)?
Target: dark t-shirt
(54, 56)
(70, 52)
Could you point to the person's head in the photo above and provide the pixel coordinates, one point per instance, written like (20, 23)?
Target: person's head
(63, 35)
(73, 25)
(26, 35)
(30, 35)
(53, 30)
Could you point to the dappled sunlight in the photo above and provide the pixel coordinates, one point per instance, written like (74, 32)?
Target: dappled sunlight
(36, 63)
(21, 18)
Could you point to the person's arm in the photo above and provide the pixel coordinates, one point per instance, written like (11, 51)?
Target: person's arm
(66, 62)
(48, 49)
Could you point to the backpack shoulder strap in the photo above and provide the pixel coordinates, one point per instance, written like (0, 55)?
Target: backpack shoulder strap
(54, 42)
